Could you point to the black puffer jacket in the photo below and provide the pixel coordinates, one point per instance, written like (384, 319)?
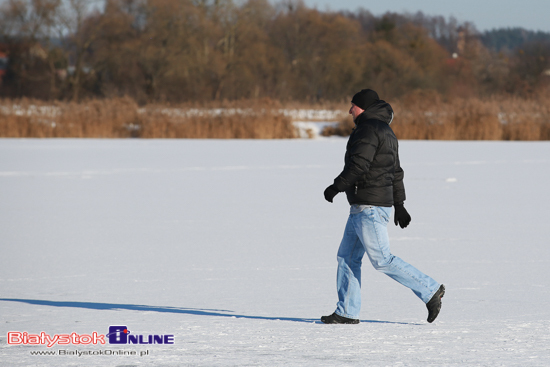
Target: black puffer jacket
(372, 174)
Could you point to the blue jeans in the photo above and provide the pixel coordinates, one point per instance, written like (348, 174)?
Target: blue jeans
(366, 231)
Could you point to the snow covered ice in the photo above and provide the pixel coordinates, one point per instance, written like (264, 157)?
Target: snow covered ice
(230, 247)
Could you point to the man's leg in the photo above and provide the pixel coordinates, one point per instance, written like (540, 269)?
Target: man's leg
(371, 226)
(348, 279)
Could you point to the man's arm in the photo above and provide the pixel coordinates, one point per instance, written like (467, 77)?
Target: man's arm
(398, 185)
(361, 155)
(401, 216)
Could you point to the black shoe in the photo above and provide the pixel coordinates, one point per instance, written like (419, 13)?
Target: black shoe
(337, 319)
(434, 305)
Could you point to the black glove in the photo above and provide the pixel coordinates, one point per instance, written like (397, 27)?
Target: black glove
(330, 193)
(402, 216)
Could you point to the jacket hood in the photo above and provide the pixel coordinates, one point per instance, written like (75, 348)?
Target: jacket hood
(380, 110)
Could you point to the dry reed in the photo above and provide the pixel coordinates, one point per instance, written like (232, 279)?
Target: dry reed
(122, 118)
(418, 116)
(426, 116)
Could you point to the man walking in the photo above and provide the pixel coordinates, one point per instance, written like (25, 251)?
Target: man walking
(373, 181)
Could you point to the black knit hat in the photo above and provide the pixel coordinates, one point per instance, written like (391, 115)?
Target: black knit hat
(365, 98)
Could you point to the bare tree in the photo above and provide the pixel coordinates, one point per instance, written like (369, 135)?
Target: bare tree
(80, 31)
(27, 26)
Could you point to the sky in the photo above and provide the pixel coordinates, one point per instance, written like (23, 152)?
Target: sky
(485, 14)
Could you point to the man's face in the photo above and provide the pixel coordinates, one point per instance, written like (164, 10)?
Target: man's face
(355, 111)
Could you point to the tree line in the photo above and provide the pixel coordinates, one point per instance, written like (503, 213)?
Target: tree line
(175, 51)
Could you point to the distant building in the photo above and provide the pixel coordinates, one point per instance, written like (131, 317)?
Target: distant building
(3, 64)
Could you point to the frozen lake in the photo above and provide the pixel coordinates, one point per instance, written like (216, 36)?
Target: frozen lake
(230, 247)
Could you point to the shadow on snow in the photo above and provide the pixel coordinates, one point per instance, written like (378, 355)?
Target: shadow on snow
(181, 310)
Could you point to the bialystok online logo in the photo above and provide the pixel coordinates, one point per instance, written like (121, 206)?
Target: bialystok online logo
(117, 335)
